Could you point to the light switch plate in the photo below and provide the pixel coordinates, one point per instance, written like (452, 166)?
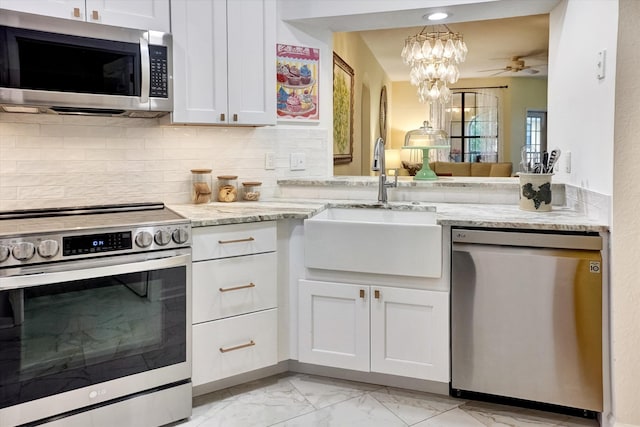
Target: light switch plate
(269, 161)
(298, 162)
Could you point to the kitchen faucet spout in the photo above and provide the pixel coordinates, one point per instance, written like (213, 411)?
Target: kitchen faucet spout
(379, 165)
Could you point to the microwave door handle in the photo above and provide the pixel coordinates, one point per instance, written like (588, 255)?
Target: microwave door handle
(146, 70)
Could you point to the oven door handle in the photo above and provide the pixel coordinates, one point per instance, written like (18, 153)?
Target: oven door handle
(66, 274)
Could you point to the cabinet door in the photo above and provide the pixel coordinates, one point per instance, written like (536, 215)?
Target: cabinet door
(140, 14)
(333, 324)
(199, 29)
(409, 333)
(68, 9)
(251, 27)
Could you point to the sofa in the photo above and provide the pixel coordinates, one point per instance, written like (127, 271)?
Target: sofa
(500, 169)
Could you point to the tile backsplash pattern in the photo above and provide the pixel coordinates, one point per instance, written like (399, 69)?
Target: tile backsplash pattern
(50, 160)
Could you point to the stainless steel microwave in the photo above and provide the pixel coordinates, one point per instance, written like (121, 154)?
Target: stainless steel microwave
(63, 66)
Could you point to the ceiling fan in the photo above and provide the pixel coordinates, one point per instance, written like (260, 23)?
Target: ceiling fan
(516, 65)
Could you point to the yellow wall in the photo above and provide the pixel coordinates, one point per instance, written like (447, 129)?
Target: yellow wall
(523, 93)
(369, 79)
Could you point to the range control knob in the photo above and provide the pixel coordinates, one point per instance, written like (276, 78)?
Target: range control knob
(48, 248)
(162, 237)
(4, 253)
(180, 236)
(144, 239)
(23, 251)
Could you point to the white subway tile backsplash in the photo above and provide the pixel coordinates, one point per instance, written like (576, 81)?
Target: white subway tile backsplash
(50, 160)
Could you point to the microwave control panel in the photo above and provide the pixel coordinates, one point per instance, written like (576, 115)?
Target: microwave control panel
(159, 72)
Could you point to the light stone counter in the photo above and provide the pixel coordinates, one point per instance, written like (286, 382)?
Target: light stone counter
(454, 214)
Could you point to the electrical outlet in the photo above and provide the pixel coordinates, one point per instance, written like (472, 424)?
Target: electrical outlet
(297, 162)
(269, 161)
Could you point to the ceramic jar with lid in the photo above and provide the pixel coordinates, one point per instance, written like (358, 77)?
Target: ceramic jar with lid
(251, 191)
(227, 188)
(201, 185)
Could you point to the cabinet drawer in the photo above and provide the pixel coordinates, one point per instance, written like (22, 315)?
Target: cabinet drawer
(231, 346)
(231, 286)
(224, 241)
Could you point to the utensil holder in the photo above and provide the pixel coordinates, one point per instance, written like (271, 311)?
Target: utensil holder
(535, 192)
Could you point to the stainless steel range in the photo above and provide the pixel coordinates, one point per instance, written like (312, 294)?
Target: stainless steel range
(94, 316)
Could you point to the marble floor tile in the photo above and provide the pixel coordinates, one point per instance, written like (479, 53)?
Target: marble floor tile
(362, 411)
(300, 400)
(258, 404)
(322, 391)
(413, 407)
(453, 418)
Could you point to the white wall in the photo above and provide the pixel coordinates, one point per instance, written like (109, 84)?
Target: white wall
(625, 289)
(581, 107)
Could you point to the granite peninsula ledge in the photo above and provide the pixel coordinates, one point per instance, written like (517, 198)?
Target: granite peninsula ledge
(447, 214)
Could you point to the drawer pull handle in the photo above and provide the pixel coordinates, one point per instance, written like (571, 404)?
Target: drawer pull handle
(222, 117)
(376, 294)
(76, 12)
(94, 15)
(361, 293)
(224, 242)
(238, 347)
(250, 285)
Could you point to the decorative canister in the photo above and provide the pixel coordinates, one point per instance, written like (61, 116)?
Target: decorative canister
(535, 192)
(227, 188)
(251, 190)
(201, 185)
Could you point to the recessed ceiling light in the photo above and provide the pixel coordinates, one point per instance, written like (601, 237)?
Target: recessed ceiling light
(437, 16)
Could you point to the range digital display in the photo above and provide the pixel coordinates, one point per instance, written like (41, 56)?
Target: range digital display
(95, 243)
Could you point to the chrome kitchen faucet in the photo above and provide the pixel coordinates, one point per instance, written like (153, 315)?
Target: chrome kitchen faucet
(378, 165)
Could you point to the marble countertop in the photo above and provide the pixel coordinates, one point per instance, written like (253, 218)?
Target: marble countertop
(454, 214)
(486, 183)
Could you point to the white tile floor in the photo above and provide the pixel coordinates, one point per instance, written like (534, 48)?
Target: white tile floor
(305, 400)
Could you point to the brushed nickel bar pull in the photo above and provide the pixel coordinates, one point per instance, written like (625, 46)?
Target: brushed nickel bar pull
(76, 12)
(376, 294)
(94, 15)
(250, 285)
(361, 293)
(248, 239)
(238, 347)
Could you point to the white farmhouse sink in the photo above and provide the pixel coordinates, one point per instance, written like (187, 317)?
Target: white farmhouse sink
(374, 240)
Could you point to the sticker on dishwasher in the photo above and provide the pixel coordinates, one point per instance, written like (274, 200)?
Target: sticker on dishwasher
(594, 266)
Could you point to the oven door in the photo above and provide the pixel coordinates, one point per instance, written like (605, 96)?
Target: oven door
(82, 333)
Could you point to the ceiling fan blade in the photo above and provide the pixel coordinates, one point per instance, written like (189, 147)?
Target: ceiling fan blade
(493, 69)
(499, 72)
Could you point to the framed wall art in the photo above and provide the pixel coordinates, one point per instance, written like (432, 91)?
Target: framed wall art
(343, 83)
(297, 82)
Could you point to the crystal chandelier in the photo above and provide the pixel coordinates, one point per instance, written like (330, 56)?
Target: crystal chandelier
(434, 57)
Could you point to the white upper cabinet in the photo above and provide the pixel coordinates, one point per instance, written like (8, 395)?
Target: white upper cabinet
(224, 61)
(140, 14)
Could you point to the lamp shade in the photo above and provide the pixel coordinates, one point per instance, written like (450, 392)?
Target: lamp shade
(392, 159)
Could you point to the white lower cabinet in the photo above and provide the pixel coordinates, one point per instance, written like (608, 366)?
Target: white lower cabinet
(383, 329)
(235, 300)
(234, 345)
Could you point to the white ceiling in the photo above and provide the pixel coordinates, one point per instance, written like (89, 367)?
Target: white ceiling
(491, 45)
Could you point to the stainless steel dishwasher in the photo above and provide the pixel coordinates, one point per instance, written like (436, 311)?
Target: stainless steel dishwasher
(526, 318)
